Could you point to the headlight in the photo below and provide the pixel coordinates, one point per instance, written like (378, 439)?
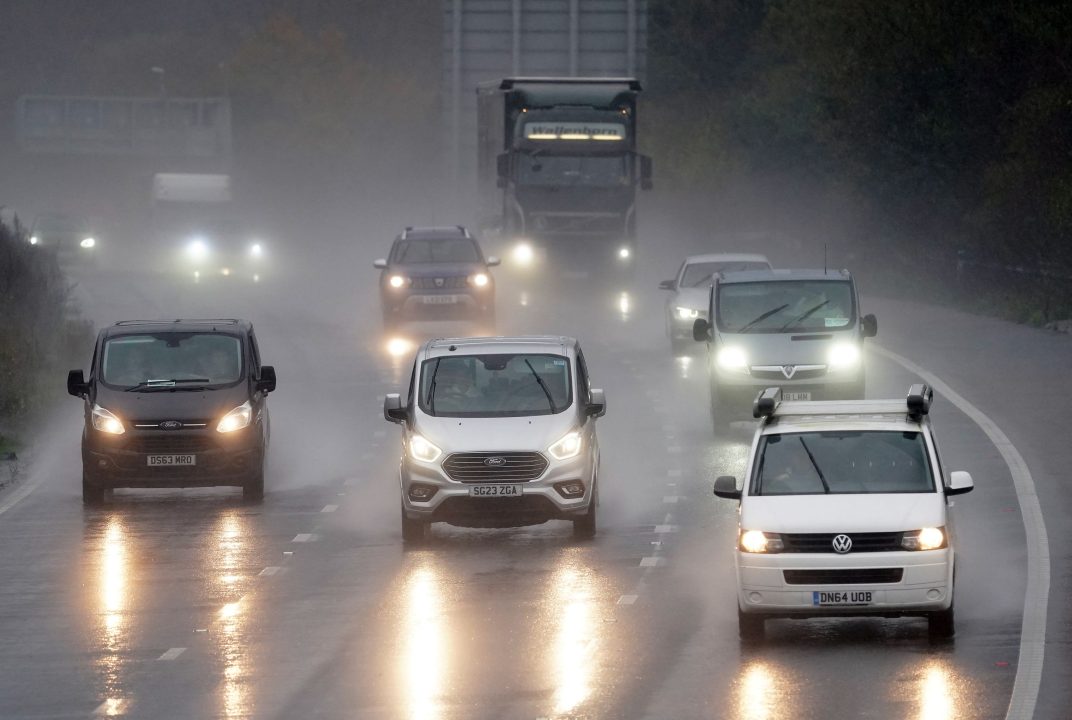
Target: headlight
(34, 239)
(569, 446)
(684, 313)
(397, 281)
(732, 358)
(421, 449)
(843, 356)
(237, 419)
(625, 252)
(479, 280)
(754, 541)
(256, 250)
(106, 422)
(931, 538)
(524, 254)
(88, 242)
(197, 249)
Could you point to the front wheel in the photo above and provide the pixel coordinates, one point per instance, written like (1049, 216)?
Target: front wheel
(584, 527)
(941, 625)
(751, 628)
(92, 493)
(253, 490)
(413, 531)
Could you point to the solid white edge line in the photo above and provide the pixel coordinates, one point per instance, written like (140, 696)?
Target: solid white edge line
(172, 653)
(18, 494)
(1025, 688)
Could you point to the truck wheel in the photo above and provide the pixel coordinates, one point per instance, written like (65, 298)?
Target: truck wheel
(253, 490)
(92, 493)
(413, 531)
(751, 628)
(941, 625)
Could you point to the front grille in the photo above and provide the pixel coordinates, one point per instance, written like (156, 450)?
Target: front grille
(853, 576)
(824, 542)
(577, 224)
(168, 444)
(515, 466)
(449, 283)
(780, 376)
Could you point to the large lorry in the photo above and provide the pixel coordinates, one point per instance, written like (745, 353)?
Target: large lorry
(558, 168)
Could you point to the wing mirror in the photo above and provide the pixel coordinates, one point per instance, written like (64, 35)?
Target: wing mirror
(76, 384)
(597, 404)
(869, 326)
(666, 285)
(726, 487)
(266, 381)
(492, 261)
(701, 330)
(960, 482)
(380, 264)
(393, 411)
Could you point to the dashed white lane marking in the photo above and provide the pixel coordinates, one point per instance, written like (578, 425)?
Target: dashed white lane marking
(19, 493)
(627, 599)
(270, 570)
(304, 537)
(670, 498)
(1025, 688)
(673, 473)
(652, 561)
(172, 654)
(330, 508)
(659, 529)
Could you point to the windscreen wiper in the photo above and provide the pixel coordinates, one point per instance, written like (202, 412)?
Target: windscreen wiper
(822, 479)
(167, 384)
(805, 315)
(763, 317)
(543, 386)
(431, 387)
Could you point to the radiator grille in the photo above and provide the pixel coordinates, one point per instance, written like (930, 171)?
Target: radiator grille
(495, 466)
(824, 542)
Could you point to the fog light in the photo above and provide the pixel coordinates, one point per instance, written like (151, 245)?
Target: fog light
(422, 493)
(571, 489)
(755, 598)
(933, 594)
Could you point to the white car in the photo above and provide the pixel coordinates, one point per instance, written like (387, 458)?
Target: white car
(844, 510)
(691, 287)
(498, 432)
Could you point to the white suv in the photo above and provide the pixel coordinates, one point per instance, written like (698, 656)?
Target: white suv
(844, 511)
(498, 432)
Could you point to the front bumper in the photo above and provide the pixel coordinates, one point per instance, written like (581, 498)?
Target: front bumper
(926, 583)
(436, 303)
(539, 502)
(742, 388)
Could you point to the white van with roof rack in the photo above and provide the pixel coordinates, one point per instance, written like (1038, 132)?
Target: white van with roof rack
(844, 510)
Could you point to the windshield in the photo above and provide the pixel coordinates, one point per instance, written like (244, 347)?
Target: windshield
(495, 385)
(842, 463)
(171, 359)
(573, 170)
(785, 306)
(429, 250)
(699, 274)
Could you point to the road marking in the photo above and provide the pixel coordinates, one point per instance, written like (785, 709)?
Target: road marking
(172, 654)
(1025, 688)
(670, 498)
(269, 571)
(304, 537)
(666, 529)
(652, 561)
(627, 599)
(19, 493)
(330, 508)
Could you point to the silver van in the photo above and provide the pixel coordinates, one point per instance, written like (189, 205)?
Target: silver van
(799, 329)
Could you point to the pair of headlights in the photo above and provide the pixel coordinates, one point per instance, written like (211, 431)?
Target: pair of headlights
(198, 249)
(478, 280)
(841, 356)
(684, 313)
(756, 541)
(566, 447)
(106, 422)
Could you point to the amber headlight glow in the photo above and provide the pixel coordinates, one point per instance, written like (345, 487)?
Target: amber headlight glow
(106, 422)
(931, 538)
(754, 541)
(421, 449)
(479, 280)
(237, 419)
(397, 281)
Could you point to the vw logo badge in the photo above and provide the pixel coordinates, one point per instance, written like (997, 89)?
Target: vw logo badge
(789, 371)
(842, 544)
(170, 425)
(495, 461)
(439, 282)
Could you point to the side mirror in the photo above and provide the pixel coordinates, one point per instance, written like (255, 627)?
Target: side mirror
(701, 330)
(393, 410)
(380, 264)
(667, 285)
(266, 382)
(726, 487)
(597, 405)
(960, 482)
(869, 326)
(493, 261)
(76, 384)
(645, 173)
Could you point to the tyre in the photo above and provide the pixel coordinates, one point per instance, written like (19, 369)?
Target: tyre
(584, 527)
(253, 490)
(413, 531)
(751, 628)
(941, 625)
(92, 493)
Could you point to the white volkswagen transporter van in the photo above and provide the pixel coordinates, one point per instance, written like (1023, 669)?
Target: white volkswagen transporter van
(844, 510)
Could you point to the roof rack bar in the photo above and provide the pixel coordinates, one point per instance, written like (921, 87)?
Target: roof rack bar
(919, 400)
(189, 321)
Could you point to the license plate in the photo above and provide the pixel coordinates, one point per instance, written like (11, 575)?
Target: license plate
(440, 299)
(796, 395)
(830, 598)
(171, 460)
(495, 490)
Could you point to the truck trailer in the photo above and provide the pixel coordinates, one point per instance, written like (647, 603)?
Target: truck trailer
(558, 169)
